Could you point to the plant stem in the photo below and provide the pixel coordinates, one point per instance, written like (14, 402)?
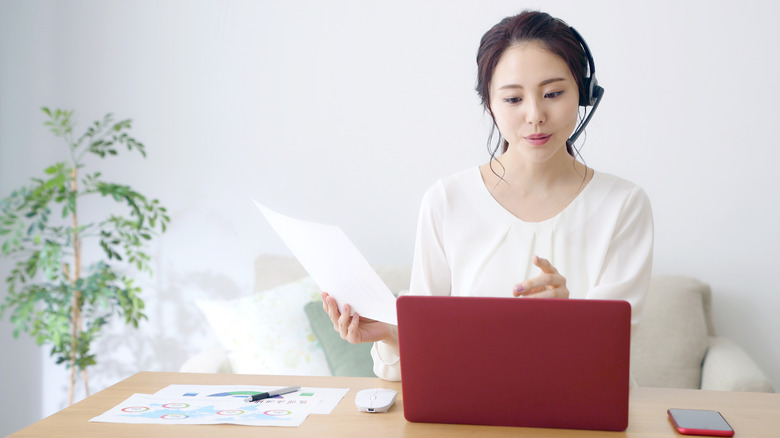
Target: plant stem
(76, 320)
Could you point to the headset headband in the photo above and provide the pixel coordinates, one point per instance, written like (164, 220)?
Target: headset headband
(593, 92)
(591, 85)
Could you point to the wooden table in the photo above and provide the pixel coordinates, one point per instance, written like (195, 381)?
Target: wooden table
(750, 414)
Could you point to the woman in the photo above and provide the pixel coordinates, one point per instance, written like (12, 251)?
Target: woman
(534, 221)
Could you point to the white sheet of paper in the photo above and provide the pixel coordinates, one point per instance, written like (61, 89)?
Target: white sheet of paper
(155, 409)
(327, 398)
(336, 265)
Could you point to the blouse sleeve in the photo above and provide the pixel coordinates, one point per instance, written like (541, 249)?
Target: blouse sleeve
(628, 262)
(430, 271)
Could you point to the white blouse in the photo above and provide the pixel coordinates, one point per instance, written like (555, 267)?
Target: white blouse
(470, 245)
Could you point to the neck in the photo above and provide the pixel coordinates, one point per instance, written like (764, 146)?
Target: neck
(538, 177)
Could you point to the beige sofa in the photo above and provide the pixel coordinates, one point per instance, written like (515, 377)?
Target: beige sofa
(676, 344)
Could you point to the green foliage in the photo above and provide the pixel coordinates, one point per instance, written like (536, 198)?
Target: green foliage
(39, 229)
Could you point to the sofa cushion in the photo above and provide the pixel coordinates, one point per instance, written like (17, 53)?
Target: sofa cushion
(341, 357)
(344, 359)
(268, 332)
(669, 345)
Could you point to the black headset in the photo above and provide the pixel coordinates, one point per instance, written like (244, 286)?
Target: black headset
(592, 93)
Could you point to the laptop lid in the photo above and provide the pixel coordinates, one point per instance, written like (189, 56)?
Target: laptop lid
(515, 361)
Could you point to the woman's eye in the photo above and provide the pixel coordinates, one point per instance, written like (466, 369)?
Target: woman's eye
(513, 100)
(553, 95)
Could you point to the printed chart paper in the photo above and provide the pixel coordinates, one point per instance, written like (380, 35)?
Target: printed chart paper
(336, 265)
(155, 409)
(325, 398)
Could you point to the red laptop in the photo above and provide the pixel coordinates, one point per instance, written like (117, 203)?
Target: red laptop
(515, 361)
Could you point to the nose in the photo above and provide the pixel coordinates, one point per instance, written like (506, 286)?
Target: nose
(534, 112)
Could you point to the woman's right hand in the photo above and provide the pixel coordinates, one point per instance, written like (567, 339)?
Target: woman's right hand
(355, 329)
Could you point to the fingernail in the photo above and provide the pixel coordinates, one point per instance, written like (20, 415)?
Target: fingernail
(519, 288)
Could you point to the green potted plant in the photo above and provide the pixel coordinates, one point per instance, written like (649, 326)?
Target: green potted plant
(51, 295)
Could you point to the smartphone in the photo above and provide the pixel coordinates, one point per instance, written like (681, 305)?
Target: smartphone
(696, 422)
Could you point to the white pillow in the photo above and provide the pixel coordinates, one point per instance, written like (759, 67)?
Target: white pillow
(268, 332)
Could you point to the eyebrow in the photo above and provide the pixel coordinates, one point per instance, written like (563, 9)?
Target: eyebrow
(541, 84)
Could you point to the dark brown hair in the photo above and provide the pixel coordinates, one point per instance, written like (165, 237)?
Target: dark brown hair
(552, 33)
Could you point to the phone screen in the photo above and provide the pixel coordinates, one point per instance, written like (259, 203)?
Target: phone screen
(697, 422)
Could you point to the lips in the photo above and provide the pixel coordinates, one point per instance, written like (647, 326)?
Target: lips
(538, 139)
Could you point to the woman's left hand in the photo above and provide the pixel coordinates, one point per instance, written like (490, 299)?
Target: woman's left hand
(549, 284)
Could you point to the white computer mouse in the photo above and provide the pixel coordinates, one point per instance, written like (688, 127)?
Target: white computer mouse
(375, 399)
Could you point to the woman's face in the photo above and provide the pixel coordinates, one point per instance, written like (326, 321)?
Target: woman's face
(534, 99)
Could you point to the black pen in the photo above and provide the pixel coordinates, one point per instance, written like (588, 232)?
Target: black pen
(272, 393)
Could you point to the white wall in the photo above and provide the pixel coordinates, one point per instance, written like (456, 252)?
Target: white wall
(346, 111)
